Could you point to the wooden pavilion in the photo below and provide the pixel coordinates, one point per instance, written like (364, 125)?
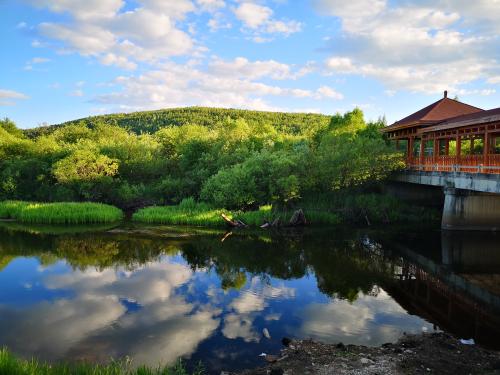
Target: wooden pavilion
(450, 136)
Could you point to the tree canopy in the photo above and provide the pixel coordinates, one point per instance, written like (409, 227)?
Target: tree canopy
(229, 158)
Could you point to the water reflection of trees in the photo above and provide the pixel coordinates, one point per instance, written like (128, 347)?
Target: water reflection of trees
(343, 264)
(98, 250)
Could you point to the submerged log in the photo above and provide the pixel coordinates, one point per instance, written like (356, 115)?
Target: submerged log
(298, 219)
(233, 223)
(276, 223)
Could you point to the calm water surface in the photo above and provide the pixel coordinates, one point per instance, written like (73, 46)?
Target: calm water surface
(156, 294)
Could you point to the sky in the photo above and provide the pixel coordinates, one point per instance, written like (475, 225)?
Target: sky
(67, 59)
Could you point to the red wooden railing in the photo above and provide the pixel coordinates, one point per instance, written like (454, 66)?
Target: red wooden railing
(489, 164)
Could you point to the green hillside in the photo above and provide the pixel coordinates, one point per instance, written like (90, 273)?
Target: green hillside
(152, 121)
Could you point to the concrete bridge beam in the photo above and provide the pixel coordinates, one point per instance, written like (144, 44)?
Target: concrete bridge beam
(470, 210)
(472, 200)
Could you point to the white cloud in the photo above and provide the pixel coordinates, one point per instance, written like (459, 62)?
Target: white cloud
(120, 61)
(218, 22)
(34, 61)
(83, 9)
(211, 5)
(87, 39)
(253, 15)
(175, 9)
(147, 33)
(350, 9)
(37, 44)
(8, 97)
(418, 46)
(425, 78)
(494, 79)
(223, 84)
(258, 19)
(481, 92)
(242, 68)
(282, 27)
(328, 92)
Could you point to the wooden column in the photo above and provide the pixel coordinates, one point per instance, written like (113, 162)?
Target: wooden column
(410, 150)
(447, 147)
(486, 148)
(422, 142)
(435, 151)
(459, 150)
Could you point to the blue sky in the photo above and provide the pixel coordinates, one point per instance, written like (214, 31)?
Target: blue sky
(66, 59)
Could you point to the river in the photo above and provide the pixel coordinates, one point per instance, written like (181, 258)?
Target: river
(157, 293)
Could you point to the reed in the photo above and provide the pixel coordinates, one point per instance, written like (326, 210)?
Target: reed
(188, 212)
(59, 213)
(11, 209)
(10, 365)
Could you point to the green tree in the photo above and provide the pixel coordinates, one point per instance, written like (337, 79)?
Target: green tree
(84, 165)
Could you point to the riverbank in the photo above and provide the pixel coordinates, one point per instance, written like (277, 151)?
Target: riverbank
(190, 212)
(436, 353)
(364, 209)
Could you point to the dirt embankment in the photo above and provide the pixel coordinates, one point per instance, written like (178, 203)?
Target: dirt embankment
(436, 353)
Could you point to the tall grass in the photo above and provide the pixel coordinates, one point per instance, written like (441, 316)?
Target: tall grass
(190, 212)
(11, 209)
(10, 365)
(269, 214)
(256, 218)
(59, 213)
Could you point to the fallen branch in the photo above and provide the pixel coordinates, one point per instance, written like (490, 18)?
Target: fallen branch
(233, 223)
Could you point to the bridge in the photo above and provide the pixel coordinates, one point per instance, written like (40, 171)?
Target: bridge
(455, 146)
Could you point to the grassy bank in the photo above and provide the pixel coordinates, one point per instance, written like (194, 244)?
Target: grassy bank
(59, 213)
(321, 210)
(190, 212)
(10, 365)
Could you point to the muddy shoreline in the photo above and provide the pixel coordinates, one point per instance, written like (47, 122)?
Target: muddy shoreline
(436, 353)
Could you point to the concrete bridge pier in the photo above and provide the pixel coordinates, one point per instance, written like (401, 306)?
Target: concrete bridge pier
(470, 210)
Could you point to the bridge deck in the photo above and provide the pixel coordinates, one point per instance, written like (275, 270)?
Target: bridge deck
(480, 182)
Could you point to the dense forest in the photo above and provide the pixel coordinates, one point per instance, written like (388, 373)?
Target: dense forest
(229, 158)
(152, 121)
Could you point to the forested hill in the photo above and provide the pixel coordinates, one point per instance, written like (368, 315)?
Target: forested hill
(152, 121)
